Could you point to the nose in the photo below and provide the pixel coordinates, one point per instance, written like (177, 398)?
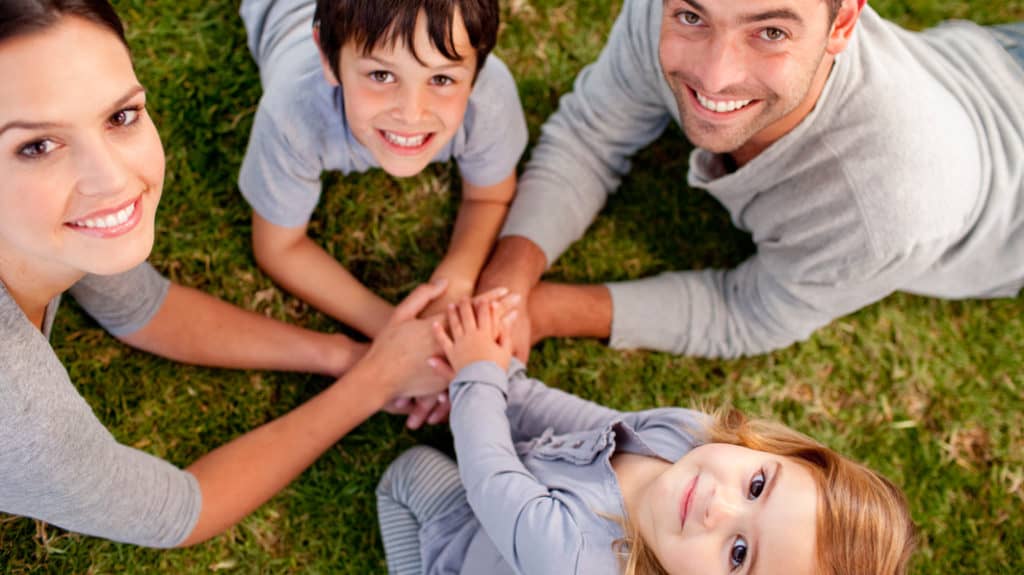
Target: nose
(409, 104)
(722, 65)
(101, 168)
(721, 509)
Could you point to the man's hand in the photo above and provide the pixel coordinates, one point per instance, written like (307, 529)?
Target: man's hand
(517, 264)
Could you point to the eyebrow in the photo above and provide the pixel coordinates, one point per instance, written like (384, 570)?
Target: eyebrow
(25, 125)
(777, 14)
(455, 64)
(754, 551)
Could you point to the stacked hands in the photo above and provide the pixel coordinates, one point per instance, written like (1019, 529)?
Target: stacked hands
(416, 357)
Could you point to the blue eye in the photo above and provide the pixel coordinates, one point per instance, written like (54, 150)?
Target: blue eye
(756, 487)
(738, 553)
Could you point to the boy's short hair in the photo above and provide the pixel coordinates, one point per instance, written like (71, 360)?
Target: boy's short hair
(372, 23)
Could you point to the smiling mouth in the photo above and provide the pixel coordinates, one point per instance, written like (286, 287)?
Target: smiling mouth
(108, 223)
(687, 502)
(406, 143)
(720, 106)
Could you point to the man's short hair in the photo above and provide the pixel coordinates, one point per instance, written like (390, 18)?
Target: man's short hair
(373, 23)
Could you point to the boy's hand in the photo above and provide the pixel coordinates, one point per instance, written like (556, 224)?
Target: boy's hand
(479, 332)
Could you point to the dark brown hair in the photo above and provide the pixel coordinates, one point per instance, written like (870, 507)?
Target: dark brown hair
(372, 23)
(20, 17)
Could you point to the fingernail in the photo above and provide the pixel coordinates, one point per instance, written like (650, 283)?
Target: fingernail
(514, 299)
(439, 282)
(512, 315)
(442, 398)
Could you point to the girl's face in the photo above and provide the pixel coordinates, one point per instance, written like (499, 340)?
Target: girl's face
(731, 510)
(81, 160)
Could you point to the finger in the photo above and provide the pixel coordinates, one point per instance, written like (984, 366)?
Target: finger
(397, 406)
(483, 316)
(442, 337)
(505, 327)
(491, 294)
(419, 299)
(454, 323)
(467, 314)
(424, 405)
(442, 368)
(440, 411)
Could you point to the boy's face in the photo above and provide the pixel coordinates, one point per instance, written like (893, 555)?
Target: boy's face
(404, 110)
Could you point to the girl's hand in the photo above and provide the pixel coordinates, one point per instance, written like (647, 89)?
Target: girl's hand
(479, 332)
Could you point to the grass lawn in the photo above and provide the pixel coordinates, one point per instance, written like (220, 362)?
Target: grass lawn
(929, 392)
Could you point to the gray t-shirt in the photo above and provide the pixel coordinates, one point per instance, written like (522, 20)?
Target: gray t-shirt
(905, 177)
(58, 463)
(300, 129)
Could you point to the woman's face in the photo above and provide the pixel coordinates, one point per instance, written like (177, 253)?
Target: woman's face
(81, 160)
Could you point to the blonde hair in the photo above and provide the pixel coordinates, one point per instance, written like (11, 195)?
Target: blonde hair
(863, 525)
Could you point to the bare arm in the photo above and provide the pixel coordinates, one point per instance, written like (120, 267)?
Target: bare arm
(305, 269)
(241, 475)
(481, 214)
(194, 327)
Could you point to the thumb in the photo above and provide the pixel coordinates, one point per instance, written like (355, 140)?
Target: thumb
(419, 299)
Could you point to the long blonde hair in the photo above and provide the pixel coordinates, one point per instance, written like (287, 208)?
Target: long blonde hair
(863, 525)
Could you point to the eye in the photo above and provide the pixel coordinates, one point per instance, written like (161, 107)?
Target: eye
(738, 553)
(382, 76)
(441, 80)
(756, 485)
(773, 34)
(37, 149)
(689, 18)
(125, 117)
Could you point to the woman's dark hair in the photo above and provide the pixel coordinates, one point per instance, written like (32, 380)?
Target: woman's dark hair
(372, 23)
(20, 17)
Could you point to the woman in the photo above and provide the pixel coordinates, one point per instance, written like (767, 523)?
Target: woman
(82, 172)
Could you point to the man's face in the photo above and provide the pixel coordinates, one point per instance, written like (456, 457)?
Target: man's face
(744, 72)
(404, 109)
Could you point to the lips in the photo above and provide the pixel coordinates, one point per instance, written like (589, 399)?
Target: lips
(719, 108)
(686, 503)
(406, 143)
(110, 222)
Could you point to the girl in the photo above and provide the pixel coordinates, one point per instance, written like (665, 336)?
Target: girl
(82, 172)
(550, 483)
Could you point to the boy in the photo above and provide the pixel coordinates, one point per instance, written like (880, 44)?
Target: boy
(351, 85)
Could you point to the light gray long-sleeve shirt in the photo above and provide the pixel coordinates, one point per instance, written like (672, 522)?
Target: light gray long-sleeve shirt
(542, 497)
(907, 176)
(58, 462)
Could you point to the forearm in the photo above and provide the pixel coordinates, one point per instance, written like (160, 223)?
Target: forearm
(197, 328)
(239, 476)
(570, 310)
(517, 263)
(310, 273)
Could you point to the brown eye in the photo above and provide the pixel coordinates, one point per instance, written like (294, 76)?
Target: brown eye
(37, 149)
(773, 34)
(381, 76)
(689, 18)
(756, 486)
(125, 117)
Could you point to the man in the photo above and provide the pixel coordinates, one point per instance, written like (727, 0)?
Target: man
(863, 159)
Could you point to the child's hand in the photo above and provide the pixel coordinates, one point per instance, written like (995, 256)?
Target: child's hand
(479, 332)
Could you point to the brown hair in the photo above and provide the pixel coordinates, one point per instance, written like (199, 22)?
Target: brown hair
(371, 23)
(864, 523)
(20, 17)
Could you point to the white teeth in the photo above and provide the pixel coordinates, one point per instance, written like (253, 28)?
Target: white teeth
(110, 221)
(413, 142)
(722, 106)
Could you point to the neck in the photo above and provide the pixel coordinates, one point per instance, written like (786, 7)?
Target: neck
(33, 287)
(634, 474)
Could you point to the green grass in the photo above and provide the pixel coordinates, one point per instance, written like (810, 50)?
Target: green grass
(931, 393)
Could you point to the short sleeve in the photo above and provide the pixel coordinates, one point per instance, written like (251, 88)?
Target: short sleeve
(123, 303)
(280, 177)
(496, 127)
(59, 464)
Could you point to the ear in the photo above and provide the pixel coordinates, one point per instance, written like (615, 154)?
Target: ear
(843, 26)
(325, 64)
